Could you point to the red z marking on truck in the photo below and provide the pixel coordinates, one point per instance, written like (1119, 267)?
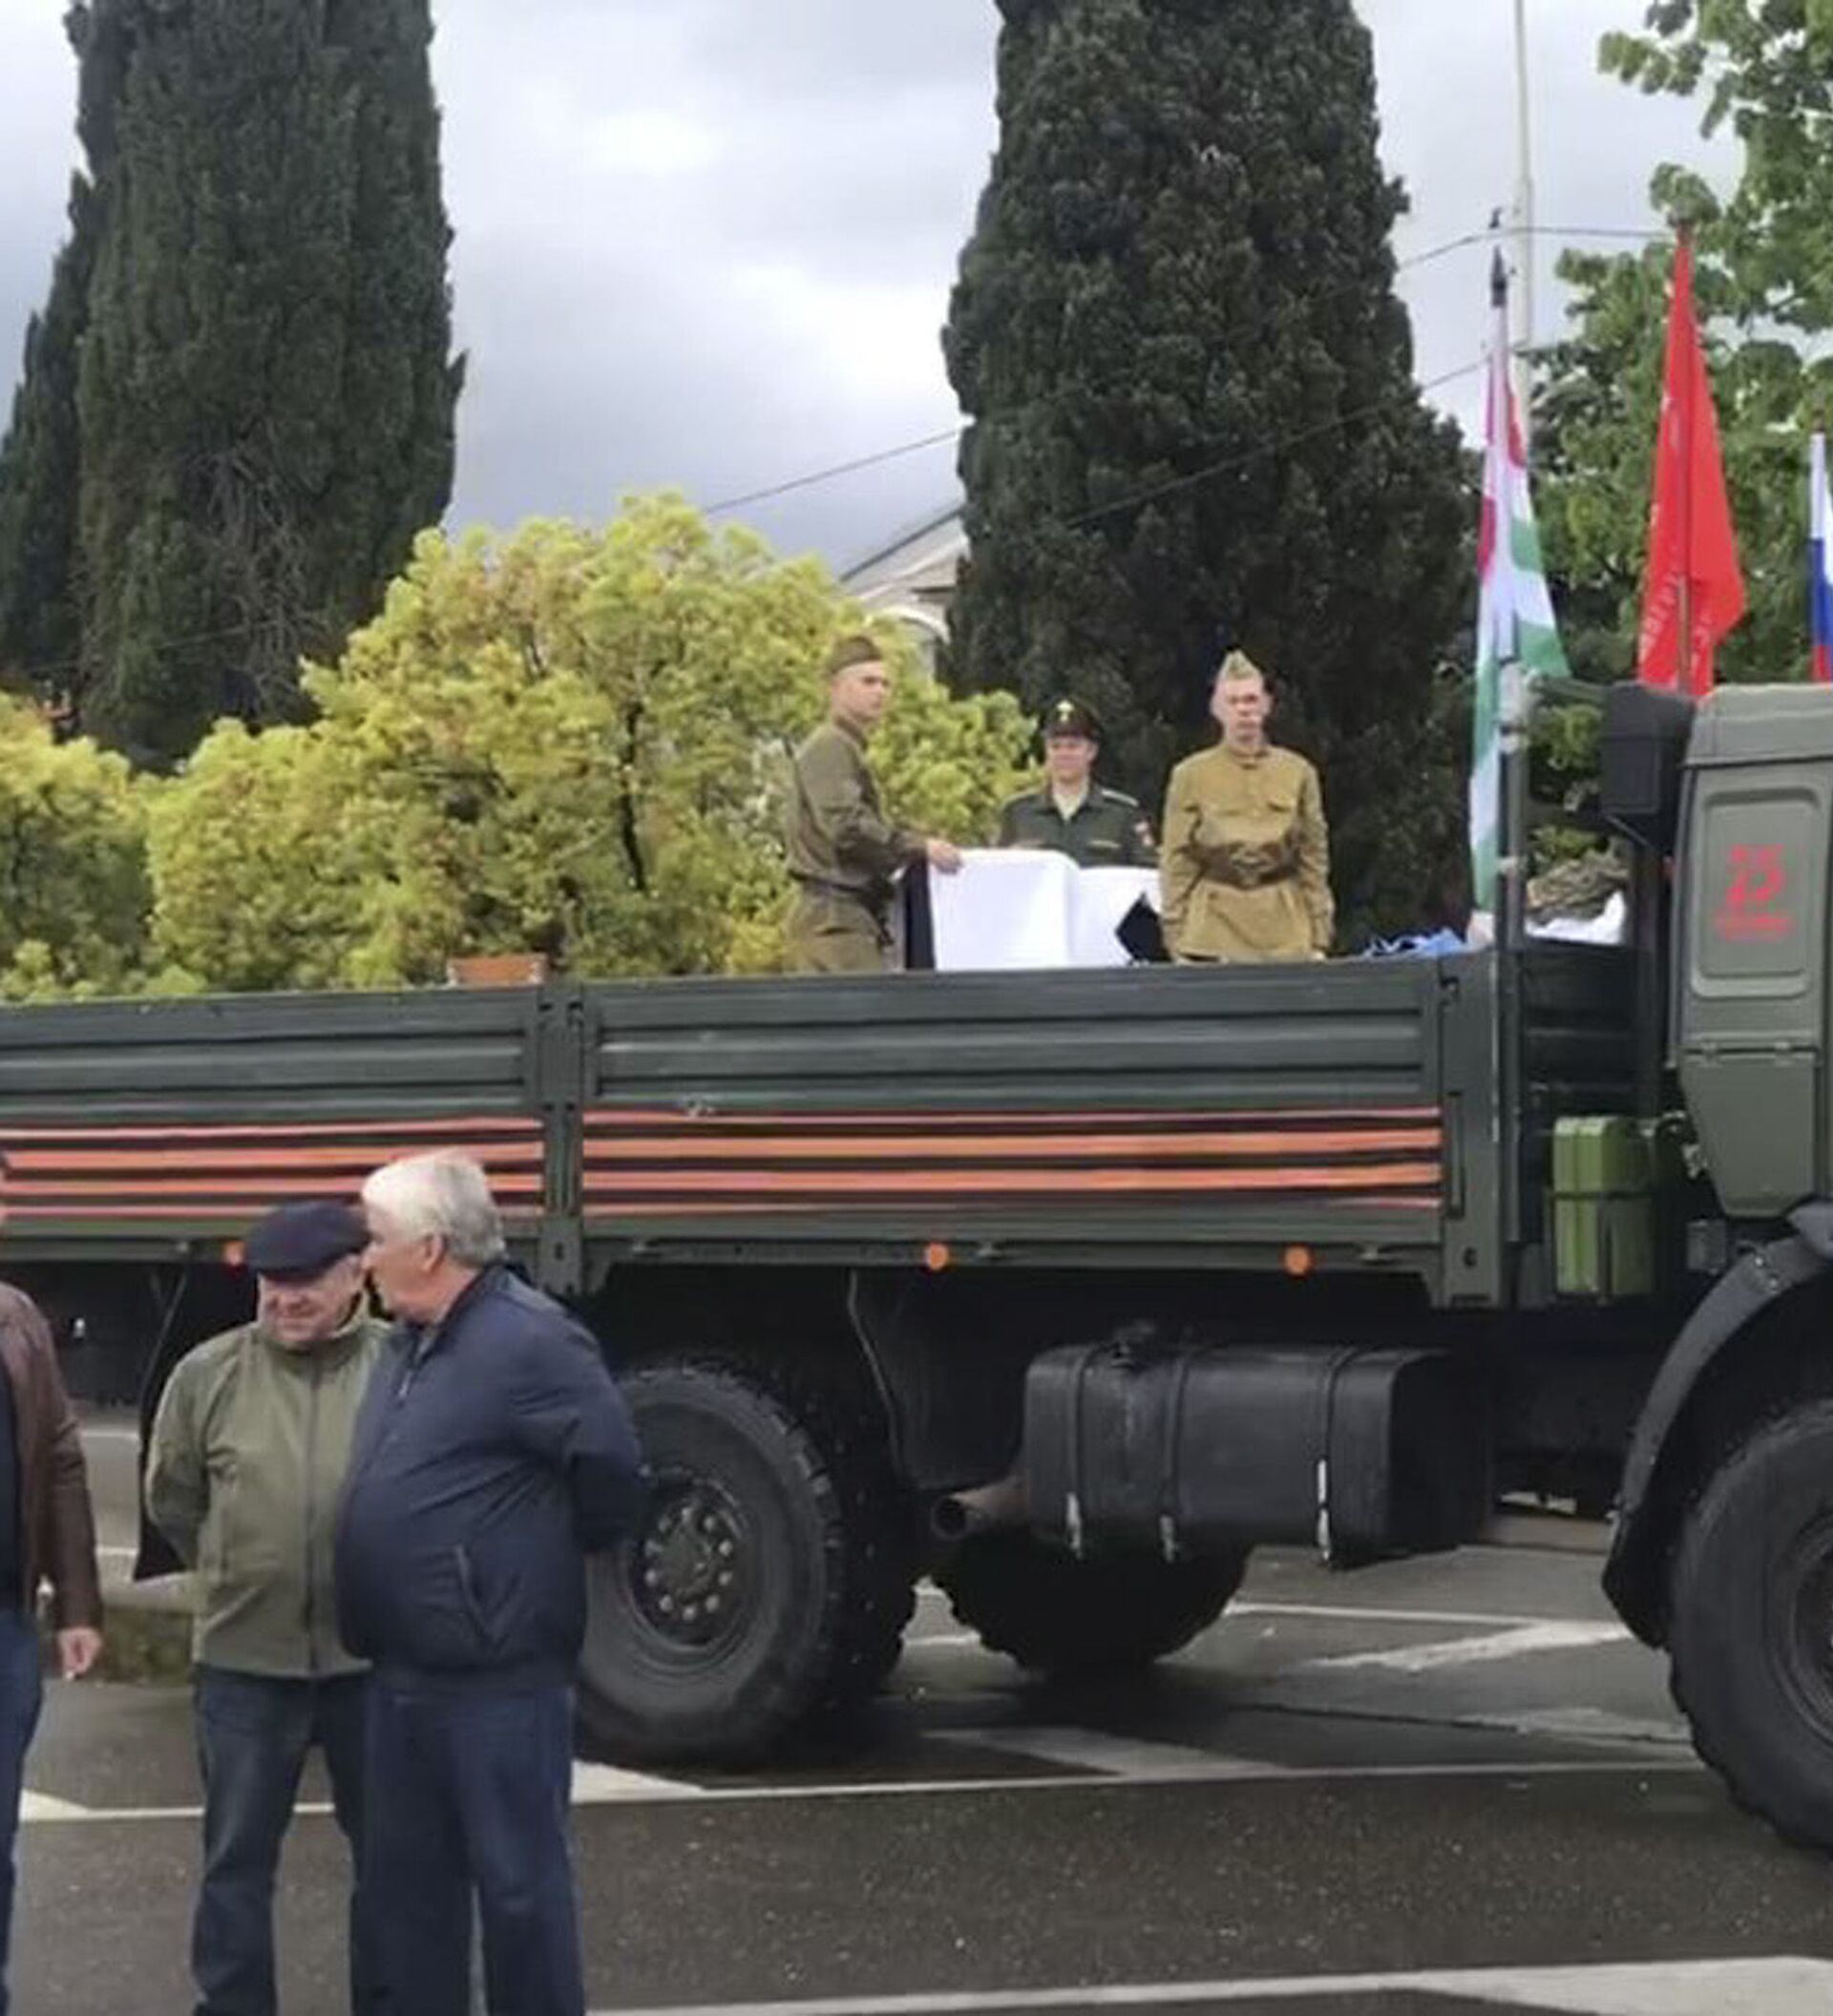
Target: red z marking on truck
(1758, 882)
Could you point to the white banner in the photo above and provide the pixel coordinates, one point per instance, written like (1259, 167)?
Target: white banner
(1022, 909)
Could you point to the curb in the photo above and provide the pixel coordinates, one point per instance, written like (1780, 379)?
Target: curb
(146, 1630)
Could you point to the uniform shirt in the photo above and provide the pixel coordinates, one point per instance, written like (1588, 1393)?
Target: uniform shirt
(1245, 872)
(1107, 830)
(838, 834)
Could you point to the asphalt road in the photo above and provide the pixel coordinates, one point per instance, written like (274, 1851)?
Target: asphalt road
(1431, 1788)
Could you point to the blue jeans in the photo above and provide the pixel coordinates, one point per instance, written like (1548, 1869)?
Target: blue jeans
(22, 1692)
(469, 1793)
(253, 1735)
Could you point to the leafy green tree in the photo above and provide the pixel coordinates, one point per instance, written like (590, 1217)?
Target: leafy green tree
(238, 408)
(572, 742)
(74, 895)
(1763, 71)
(1194, 416)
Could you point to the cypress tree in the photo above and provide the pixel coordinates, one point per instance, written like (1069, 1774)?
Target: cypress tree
(40, 632)
(40, 618)
(1194, 423)
(264, 394)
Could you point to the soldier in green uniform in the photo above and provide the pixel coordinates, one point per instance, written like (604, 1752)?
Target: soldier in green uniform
(845, 855)
(1072, 814)
(1246, 867)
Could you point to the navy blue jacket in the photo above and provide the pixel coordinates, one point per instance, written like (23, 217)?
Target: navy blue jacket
(492, 1453)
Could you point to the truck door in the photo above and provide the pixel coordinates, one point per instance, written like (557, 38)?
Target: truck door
(1750, 977)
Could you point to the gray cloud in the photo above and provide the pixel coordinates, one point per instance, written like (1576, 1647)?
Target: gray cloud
(711, 243)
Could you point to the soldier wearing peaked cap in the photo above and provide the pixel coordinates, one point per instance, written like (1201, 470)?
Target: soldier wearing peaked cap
(1246, 867)
(1072, 814)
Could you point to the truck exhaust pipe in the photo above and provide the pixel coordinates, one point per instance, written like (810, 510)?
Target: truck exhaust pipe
(986, 1508)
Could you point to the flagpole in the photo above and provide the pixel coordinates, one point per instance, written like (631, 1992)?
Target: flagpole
(1683, 670)
(1525, 221)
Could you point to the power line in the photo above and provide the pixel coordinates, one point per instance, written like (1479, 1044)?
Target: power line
(829, 473)
(1335, 425)
(1463, 243)
(171, 646)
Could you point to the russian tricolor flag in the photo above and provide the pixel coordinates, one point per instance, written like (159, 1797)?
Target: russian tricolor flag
(1819, 564)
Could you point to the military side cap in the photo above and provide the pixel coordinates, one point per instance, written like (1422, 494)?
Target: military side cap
(296, 1242)
(1069, 717)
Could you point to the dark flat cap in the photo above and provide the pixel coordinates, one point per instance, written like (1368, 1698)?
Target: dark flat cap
(296, 1241)
(1069, 717)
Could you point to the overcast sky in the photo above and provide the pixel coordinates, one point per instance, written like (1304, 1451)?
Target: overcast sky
(710, 243)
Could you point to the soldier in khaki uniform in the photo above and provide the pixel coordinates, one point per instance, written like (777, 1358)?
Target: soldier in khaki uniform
(844, 853)
(1245, 873)
(1073, 814)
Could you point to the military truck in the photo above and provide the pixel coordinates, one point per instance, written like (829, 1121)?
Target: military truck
(1071, 1288)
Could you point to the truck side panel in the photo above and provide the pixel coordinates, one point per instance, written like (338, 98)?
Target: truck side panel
(149, 1130)
(1184, 1118)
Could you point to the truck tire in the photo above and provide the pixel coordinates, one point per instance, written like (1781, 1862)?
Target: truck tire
(1751, 1623)
(771, 1583)
(1057, 1614)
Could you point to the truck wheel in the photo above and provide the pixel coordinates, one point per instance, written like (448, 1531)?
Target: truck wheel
(1047, 1609)
(1751, 1630)
(771, 1584)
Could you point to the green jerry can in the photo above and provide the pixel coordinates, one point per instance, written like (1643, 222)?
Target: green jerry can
(1605, 1206)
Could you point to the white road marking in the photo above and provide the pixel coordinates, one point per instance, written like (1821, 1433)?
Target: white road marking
(1344, 1613)
(1583, 1725)
(1713, 1987)
(1095, 1751)
(637, 1789)
(94, 1433)
(1560, 1637)
(605, 1785)
(41, 1806)
(1360, 1613)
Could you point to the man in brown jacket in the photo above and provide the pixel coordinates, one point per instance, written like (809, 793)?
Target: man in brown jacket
(46, 1534)
(844, 853)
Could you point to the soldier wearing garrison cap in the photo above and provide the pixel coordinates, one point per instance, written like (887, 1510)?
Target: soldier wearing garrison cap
(1072, 814)
(245, 1467)
(844, 853)
(1245, 873)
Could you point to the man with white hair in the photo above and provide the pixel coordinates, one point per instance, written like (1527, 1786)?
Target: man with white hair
(494, 1453)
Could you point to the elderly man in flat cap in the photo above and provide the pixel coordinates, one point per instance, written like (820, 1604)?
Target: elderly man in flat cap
(1245, 866)
(245, 1468)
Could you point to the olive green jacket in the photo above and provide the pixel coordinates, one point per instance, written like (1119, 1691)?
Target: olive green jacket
(243, 1476)
(839, 838)
(1107, 830)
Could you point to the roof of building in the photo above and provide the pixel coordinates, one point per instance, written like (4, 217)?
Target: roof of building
(931, 547)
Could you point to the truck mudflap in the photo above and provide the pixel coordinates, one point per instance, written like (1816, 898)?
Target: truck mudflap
(1634, 1573)
(1363, 1454)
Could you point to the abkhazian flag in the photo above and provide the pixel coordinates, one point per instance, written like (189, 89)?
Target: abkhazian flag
(1515, 627)
(1820, 563)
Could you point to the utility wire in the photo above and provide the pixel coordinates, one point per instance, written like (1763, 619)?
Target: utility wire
(34, 673)
(1335, 425)
(1488, 236)
(828, 475)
